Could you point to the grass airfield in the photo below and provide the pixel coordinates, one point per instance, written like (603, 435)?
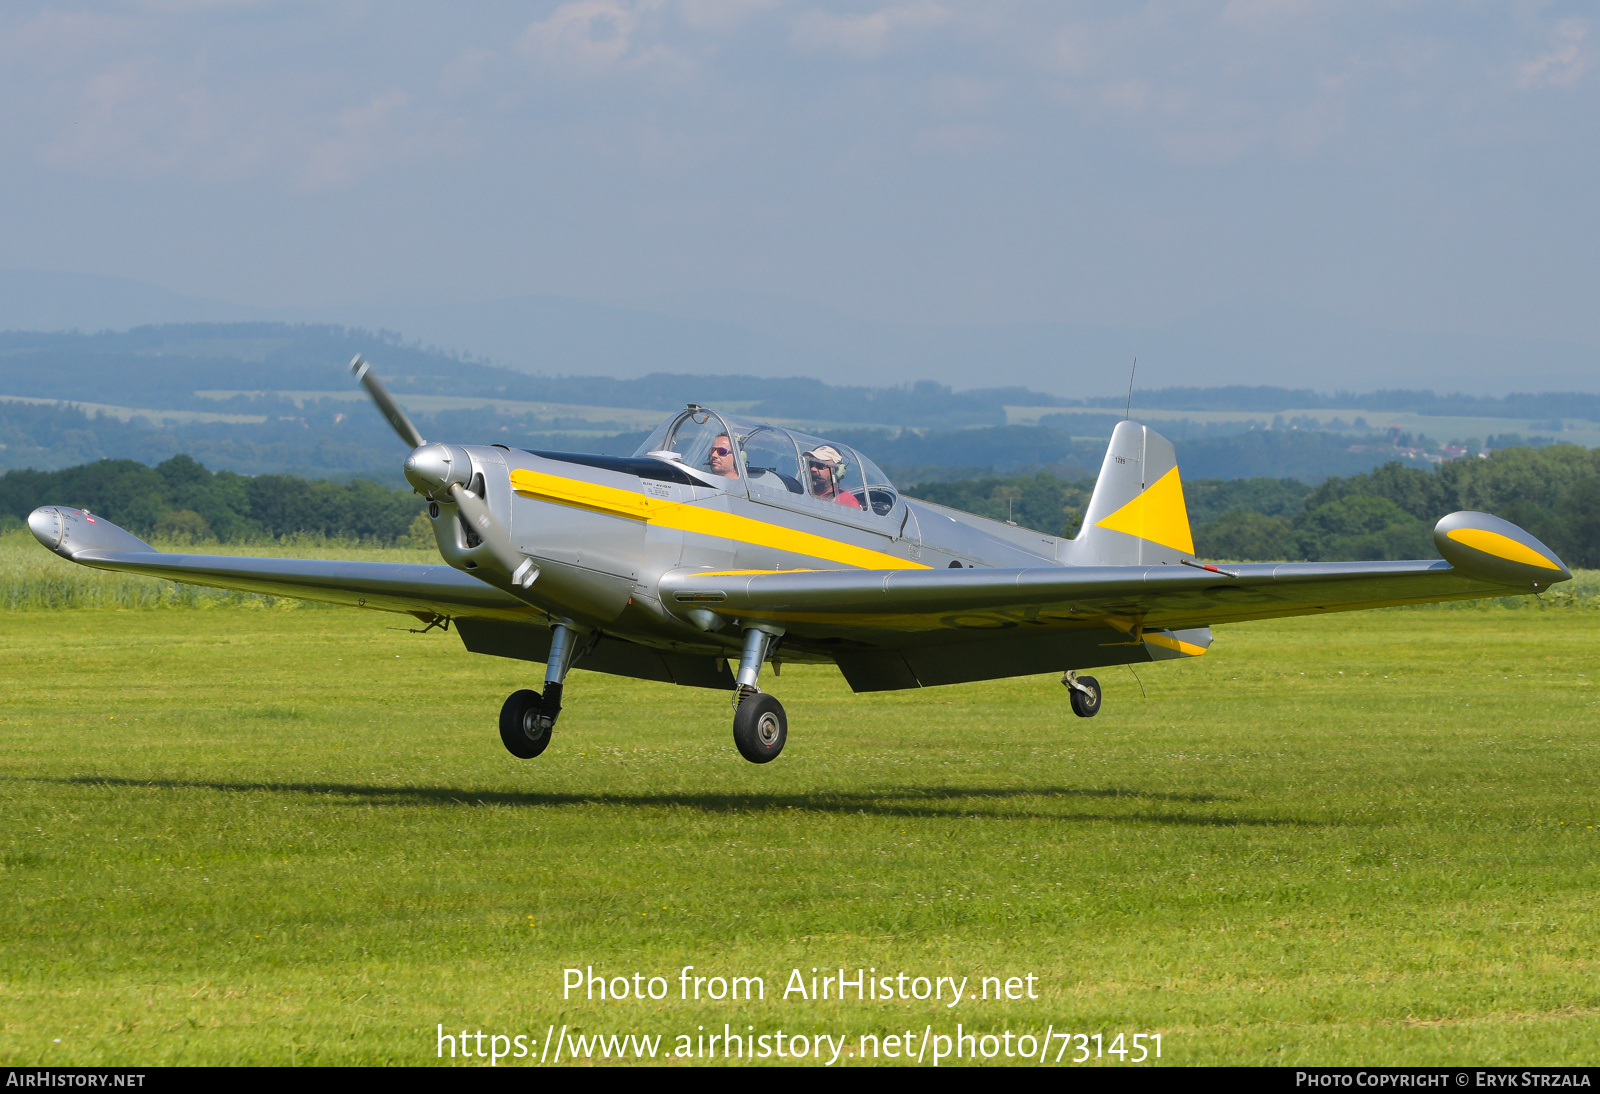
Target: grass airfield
(235, 834)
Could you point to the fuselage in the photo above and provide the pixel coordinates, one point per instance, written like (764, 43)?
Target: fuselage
(604, 532)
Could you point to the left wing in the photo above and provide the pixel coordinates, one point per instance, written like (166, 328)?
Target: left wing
(417, 589)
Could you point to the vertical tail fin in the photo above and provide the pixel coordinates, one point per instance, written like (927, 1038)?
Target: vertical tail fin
(1136, 516)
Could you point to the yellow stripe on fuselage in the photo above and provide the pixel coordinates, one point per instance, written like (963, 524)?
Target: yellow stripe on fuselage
(694, 518)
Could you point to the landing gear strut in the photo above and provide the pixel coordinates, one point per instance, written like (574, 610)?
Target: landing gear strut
(528, 718)
(760, 728)
(1084, 692)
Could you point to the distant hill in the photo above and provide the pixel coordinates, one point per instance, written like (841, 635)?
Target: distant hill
(1270, 400)
(164, 367)
(1246, 341)
(267, 397)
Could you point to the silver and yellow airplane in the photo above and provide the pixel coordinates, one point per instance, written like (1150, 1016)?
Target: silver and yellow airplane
(727, 540)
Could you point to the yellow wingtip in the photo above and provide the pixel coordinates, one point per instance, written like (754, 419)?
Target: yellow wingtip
(1493, 543)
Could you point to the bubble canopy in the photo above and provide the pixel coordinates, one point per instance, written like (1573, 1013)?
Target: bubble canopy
(777, 465)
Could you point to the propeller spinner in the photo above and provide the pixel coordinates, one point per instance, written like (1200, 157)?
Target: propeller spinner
(441, 472)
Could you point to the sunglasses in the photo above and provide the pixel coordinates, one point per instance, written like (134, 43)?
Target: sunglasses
(722, 451)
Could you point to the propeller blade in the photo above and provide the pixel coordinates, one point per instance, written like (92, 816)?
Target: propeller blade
(434, 468)
(476, 511)
(386, 404)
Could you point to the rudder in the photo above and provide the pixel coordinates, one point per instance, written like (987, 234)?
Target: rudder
(1136, 516)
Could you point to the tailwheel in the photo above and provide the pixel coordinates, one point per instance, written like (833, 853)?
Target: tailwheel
(523, 730)
(760, 727)
(1084, 692)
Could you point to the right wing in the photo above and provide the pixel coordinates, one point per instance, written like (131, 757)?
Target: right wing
(417, 589)
(904, 628)
(885, 602)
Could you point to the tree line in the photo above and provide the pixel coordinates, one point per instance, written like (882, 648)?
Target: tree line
(181, 500)
(1553, 492)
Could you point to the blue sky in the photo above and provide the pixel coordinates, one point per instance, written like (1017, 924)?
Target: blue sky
(1416, 167)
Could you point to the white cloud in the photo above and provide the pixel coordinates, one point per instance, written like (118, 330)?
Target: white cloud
(588, 37)
(963, 94)
(55, 39)
(145, 119)
(120, 113)
(721, 16)
(339, 159)
(465, 72)
(1564, 64)
(190, 7)
(1257, 12)
(1209, 148)
(959, 139)
(862, 36)
(1074, 51)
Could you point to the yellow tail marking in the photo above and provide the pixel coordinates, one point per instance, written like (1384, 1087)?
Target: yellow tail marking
(1157, 515)
(1493, 543)
(704, 521)
(1166, 641)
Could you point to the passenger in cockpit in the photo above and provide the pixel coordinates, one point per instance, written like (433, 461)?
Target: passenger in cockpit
(721, 460)
(824, 466)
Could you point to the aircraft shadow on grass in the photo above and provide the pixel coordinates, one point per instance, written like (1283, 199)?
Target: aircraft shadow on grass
(904, 802)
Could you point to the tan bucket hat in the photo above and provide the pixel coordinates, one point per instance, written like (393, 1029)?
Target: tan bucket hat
(826, 453)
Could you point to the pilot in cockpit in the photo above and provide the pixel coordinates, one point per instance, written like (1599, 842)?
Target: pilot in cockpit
(721, 458)
(825, 467)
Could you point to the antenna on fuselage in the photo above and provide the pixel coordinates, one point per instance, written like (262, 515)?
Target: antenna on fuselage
(1129, 411)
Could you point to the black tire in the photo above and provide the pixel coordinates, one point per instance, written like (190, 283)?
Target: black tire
(760, 728)
(1086, 706)
(522, 738)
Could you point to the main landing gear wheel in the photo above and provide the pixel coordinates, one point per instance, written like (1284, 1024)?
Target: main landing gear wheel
(524, 734)
(760, 728)
(1085, 695)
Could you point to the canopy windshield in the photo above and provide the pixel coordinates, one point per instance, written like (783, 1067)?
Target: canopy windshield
(774, 461)
(699, 439)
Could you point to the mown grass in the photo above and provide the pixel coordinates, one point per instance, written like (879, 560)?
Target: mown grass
(234, 836)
